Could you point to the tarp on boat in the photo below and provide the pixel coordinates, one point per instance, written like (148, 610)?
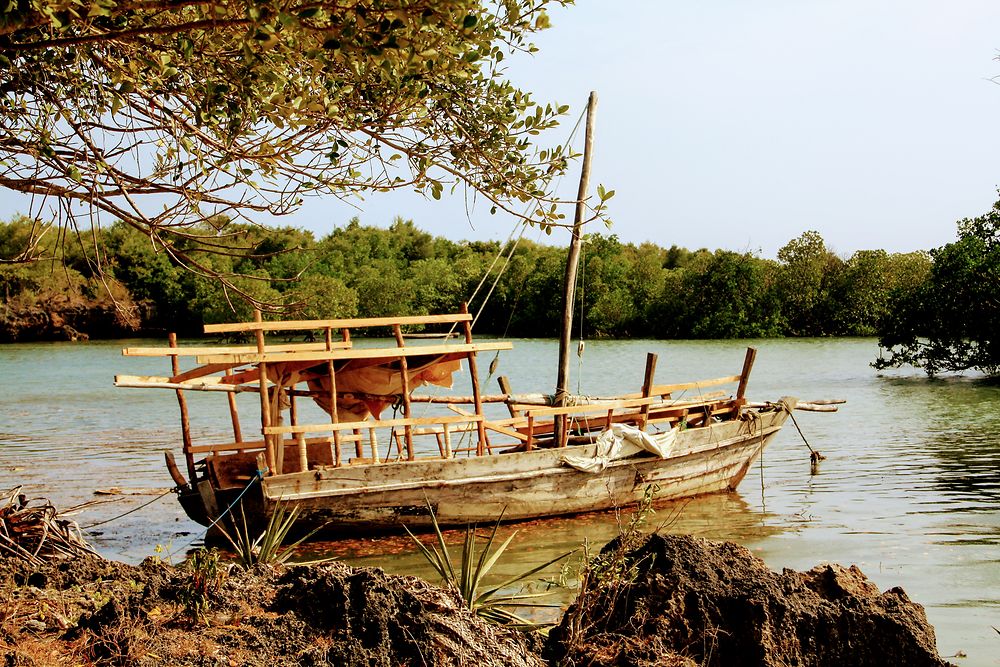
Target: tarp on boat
(619, 442)
(375, 387)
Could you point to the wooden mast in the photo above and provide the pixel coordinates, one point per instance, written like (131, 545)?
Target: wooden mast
(572, 261)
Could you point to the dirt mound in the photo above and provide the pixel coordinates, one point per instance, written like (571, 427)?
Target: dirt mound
(94, 611)
(678, 600)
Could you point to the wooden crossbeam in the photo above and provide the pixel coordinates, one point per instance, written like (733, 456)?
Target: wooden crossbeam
(355, 353)
(201, 350)
(355, 323)
(382, 423)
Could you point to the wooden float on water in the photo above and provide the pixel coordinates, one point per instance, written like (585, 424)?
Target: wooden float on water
(356, 472)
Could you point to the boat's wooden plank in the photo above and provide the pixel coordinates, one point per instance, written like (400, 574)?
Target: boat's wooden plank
(355, 353)
(201, 350)
(499, 428)
(200, 371)
(251, 445)
(544, 483)
(690, 440)
(661, 389)
(598, 404)
(381, 423)
(355, 323)
(211, 383)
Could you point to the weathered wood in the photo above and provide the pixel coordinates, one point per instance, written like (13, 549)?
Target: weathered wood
(265, 402)
(383, 423)
(198, 372)
(387, 354)
(234, 416)
(404, 379)
(447, 441)
(745, 373)
(532, 399)
(201, 350)
(474, 372)
(529, 484)
(573, 259)
(507, 394)
(175, 473)
(347, 323)
(647, 386)
(185, 417)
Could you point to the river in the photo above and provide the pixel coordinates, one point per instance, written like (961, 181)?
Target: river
(909, 489)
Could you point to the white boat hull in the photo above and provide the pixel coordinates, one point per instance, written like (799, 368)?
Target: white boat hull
(525, 485)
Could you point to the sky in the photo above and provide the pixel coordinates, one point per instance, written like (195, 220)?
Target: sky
(740, 125)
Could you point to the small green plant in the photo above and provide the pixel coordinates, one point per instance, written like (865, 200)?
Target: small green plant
(158, 553)
(606, 576)
(469, 578)
(205, 580)
(266, 548)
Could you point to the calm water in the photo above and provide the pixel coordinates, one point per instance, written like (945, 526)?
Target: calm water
(910, 489)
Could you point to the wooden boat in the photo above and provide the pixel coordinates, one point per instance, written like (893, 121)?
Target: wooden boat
(356, 472)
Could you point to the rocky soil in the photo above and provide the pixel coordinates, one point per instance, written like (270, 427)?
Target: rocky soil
(661, 600)
(679, 600)
(93, 611)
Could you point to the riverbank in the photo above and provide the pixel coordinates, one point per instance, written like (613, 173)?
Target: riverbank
(663, 600)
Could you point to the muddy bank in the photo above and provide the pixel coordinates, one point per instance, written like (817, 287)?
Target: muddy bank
(107, 613)
(662, 600)
(64, 317)
(679, 600)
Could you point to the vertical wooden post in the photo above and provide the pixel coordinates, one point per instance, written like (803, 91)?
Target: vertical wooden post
(404, 376)
(185, 417)
(334, 417)
(572, 261)
(647, 387)
(447, 442)
(234, 415)
(373, 439)
(477, 398)
(265, 399)
(530, 442)
(279, 439)
(745, 373)
(508, 400)
(300, 438)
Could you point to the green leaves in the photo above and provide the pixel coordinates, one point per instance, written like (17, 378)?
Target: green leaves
(469, 578)
(223, 87)
(949, 322)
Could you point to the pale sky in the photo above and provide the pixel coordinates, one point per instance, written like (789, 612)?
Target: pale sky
(740, 125)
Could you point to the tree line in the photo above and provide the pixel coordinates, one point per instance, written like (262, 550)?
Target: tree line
(128, 286)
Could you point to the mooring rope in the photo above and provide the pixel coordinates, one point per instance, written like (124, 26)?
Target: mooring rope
(124, 514)
(258, 475)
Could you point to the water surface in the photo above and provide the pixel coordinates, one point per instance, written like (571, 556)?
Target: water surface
(909, 489)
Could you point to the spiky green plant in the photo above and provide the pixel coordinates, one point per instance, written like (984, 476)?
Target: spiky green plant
(266, 548)
(470, 576)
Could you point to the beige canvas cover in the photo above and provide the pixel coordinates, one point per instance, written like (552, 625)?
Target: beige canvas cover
(377, 386)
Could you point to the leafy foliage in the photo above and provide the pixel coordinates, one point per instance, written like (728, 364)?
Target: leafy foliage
(624, 289)
(165, 115)
(469, 577)
(950, 321)
(205, 580)
(268, 548)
